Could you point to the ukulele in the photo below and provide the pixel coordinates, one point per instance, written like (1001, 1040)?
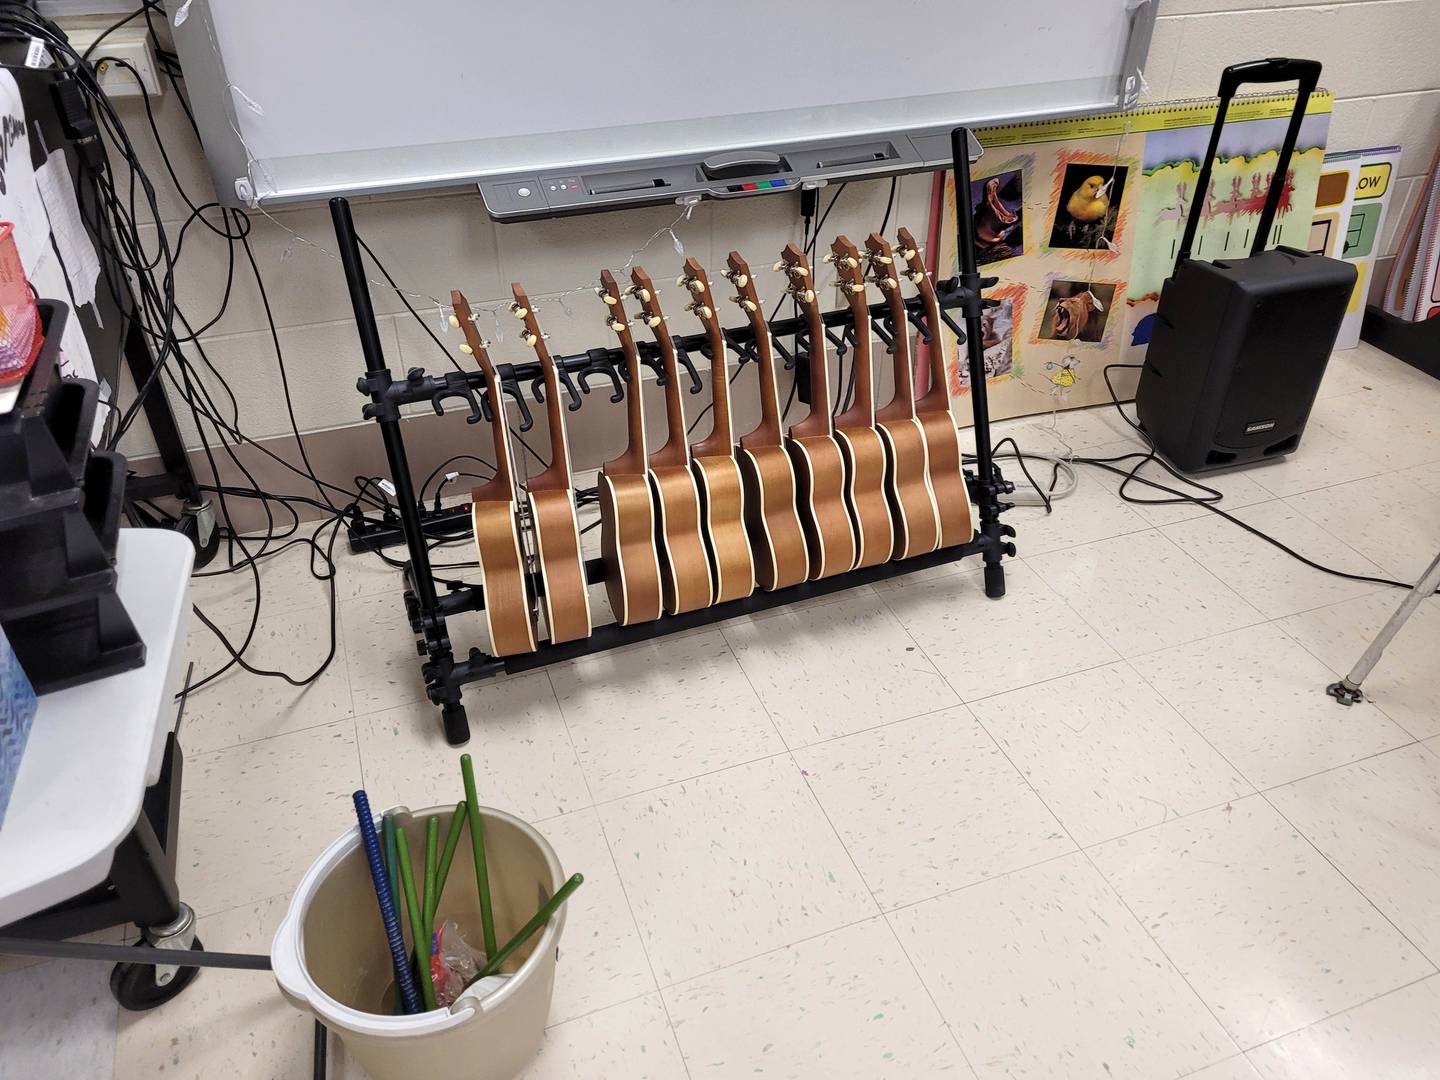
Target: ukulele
(627, 518)
(861, 444)
(776, 535)
(552, 505)
(684, 565)
(907, 465)
(493, 515)
(819, 463)
(942, 441)
(717, 476)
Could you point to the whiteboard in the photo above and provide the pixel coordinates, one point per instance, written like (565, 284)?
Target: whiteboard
(307, 98)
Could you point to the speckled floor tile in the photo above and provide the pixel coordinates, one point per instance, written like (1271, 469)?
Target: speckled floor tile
(836, 669)
(57, 1019)
(1142, 592)
(1266, 931)
(380, 650)
(239, 707)
(1236, 1068)
(226, 1023)
(805, 1012)
(255, 817)
(1106, 753)
(661, 712)
(602, 962)
(1258, 697)
(1264, 575)
(632, 1040)
(1325, 458)
(731, 865)
(1044, 974)
(1391, 520)
(1395, 426)
(1238, 488)
(1379, 821)
(228, 595)
(1402, 683)
(928, 805)
(524, 761)
(1396, 1037)
(985, 646)
(1091, 512)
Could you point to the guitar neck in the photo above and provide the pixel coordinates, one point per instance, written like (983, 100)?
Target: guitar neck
(675, 451)
(819, 422)
(557, 476)
(937, 395)
(902, 405)
(721, 440)
(501, 487)
(767, 433)
(862, 412)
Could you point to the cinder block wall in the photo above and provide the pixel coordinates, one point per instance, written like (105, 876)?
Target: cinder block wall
(1380, 62)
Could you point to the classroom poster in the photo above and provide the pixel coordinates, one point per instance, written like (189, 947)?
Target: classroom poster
(1081, 220)
(1350, 207)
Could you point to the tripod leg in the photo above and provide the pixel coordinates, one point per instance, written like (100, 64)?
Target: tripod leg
(1347, 690)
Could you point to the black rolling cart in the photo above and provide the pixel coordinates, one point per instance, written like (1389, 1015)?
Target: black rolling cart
(427, 608)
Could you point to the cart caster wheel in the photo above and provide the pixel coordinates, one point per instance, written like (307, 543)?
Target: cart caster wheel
(457, 726)
(197, 524)
(135, 988)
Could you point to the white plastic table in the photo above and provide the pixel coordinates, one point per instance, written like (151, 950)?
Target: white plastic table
(94, 749)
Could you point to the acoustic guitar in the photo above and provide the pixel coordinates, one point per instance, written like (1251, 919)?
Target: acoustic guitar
(932, 410)
(820, 478)
(552, 503)
(907, 465)
(494, 516)
(685, 579)
(712, 459)
(860, 442)
(627, 517)
(771, 518)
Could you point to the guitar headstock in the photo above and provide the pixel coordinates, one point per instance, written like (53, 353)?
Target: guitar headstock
(881, 265)
(615, 317)
(523, 310)
(643, 289)
(702, 301)
(474, 345)
(909, 251)
(850, 278)
(801, 282)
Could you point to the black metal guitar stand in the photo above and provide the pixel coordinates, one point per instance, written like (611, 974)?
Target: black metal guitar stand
(428, 609)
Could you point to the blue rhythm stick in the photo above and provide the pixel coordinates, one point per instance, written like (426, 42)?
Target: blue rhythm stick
(403, 978)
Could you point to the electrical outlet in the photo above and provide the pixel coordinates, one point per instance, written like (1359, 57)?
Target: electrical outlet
(127, 44)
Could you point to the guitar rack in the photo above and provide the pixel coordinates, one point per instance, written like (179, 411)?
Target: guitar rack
(428, 609)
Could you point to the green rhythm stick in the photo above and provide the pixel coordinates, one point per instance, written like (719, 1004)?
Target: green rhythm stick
(417, 918)
(539, 919)
(427, 904)
(452, 841)
(477, 843)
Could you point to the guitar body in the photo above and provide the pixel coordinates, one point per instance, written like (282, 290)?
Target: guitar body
(562, 565)
(684, 565)
(820, 486)
(864, 454)
(722, 509)
(952, 497)
(507, 594)
(771, 518)
(627, 545)
(907, 488)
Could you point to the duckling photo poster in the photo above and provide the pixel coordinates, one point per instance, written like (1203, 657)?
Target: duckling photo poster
(1080, 220)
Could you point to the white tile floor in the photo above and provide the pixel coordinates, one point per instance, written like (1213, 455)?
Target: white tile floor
(1106, 827)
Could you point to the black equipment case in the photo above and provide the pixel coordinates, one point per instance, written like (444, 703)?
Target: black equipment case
(1240, 345)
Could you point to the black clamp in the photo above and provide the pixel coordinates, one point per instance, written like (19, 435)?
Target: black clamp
(453, 384)
(598, 362)
(537, 387)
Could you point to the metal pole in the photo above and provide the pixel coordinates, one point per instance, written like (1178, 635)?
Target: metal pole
(1347, 690)
(131, 954)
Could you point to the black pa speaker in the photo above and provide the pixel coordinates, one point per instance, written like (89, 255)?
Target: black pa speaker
(1240, 345)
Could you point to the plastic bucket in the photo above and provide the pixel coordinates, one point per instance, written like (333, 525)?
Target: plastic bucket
(331, 958)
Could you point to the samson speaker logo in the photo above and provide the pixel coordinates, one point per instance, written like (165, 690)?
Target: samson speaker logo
(1259, 426)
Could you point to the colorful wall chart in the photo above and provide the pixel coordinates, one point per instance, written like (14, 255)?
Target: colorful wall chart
(1351, 202)
(1081, 219)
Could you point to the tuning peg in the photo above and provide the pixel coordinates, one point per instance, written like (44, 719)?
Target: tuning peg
(527, 337)
(748, 305)
(466, 349)
(916, 276)
(616, 325)
(845, 262)
(518, 311)
(740, 280)
(808, 296)
(455, 321)
(652, 321)
(799, 271)
(682, 281)
(600, 292)
(643, 295)
(856, 287)
(828, 257)
(883, 260)
(780, 265)
(886, 282)
(703, 311)
(695, 286)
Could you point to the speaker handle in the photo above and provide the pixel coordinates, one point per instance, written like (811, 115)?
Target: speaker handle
(1272, 70)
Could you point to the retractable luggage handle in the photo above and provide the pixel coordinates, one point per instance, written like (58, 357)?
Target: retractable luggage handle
(1275, 69)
